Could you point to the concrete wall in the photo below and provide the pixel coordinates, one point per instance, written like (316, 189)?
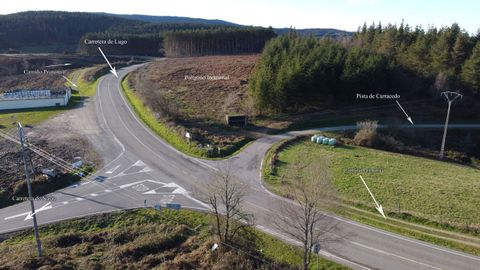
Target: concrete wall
(12, 104)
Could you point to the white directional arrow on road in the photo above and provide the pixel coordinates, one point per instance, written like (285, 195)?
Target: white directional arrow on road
(377, 206)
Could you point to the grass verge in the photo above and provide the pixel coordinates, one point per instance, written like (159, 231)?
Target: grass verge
(425, 199)
(169, 135)
(142, 239)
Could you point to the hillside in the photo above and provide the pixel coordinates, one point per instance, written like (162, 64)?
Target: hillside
(296, 73)
(144, 239)
(174, 19)
(59, 31)
(315, 32)
(171, 90)
(51, 31)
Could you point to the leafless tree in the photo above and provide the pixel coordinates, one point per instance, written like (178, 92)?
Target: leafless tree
(303, 219)
(225, 197)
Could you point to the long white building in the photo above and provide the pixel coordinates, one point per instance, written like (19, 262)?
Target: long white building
(23, 99)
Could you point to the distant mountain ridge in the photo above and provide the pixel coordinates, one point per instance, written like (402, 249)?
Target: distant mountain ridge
(174, 19)
(61, 31)
(315, 32)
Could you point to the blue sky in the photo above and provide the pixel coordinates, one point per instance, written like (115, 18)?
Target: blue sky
(340, 14)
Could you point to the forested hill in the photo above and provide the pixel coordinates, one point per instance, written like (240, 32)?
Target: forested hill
(296, 72)
(51, 30)
(315, 32)
(175, 19)
(58, 31)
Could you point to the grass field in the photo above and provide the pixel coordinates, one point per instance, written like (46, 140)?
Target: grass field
(427, 199)
(140, 239)
(85, 88)
(8, 119)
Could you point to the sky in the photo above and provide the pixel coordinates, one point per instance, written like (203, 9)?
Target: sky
(339, 14)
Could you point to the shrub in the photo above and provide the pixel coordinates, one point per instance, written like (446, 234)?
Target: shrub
(67, 240)
(388, 142)
(367, 133)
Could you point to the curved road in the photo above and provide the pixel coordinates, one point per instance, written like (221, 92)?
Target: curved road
(143, 169)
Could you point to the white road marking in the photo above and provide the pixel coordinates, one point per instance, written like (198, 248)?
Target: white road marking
(146, 169)
(15, 216)
(65, 202)
(198, 161)
(330, 255)
(371, 228)
(79, 199)
(405, 238)
(28, 215)
(140, 188)
(393, 255)
(113, 169)
(297, 243)
(167, 198)
(138, 163)
(107, 190)
(93, 194)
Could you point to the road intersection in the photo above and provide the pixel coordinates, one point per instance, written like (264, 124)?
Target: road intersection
(140, 166)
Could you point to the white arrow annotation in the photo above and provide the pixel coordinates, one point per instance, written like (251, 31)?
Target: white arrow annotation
(112, 69)
(377, 206)
(408, 117)
(68, 80)
(43, 208)
(29, 215)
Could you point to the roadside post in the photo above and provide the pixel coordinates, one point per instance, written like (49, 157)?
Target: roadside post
(316, 250)
(21, 136)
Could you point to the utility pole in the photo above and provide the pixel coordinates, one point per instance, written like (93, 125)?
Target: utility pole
(451, 97)
(21, 136)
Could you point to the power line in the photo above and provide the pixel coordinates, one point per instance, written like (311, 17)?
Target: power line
(62, 163)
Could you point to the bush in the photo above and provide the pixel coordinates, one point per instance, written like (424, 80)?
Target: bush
(367, 133)
(123, 236)
(67, 240)
(387, 142)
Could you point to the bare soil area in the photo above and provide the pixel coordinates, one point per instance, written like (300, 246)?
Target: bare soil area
(195, 94)
(65, 145)
(65, 136)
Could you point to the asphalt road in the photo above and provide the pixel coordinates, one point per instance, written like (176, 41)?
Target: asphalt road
(141, 168)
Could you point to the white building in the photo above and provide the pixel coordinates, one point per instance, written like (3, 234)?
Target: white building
(23, 99)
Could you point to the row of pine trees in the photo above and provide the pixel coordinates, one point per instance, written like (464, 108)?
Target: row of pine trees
(230, 40)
